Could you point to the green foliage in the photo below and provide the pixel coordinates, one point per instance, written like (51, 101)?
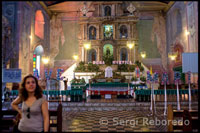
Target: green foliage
(99, 76)
(134, 79)
(131, 68)
(81, 67)
(139, 64)
(123, 67)
(116, 75)
(142, 78)
(82, 81)
(123, 79)
(93, 67)
(141, 68)
(81, 63)
(108, 59)
(73, 81)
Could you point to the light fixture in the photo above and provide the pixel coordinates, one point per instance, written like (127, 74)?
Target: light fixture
(30, 37)
(130, 44)
(187, 32)
(143, 54)
(87, 45)
(172, 55)
(75, 57)
(45, 60)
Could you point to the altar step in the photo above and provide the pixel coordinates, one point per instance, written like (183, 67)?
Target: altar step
(137, 106)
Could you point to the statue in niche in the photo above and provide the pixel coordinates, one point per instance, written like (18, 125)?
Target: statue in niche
(107, 51)
(107, 11)
(92, 32)
(123, 32)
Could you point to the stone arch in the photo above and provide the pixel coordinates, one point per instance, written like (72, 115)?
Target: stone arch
(37, 57)
(123, 54)
(39, 24)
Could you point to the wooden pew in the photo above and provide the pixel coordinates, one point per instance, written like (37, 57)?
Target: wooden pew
(58, 121)
(8, 116)
(6, 121)
(188, 120)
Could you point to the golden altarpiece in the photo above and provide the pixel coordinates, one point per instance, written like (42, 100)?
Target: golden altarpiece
(108, 30)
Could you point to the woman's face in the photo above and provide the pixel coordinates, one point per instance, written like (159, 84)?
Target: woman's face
(30, 84)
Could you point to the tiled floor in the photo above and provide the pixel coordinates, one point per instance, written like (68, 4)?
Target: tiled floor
(99, 115)
(106, 121)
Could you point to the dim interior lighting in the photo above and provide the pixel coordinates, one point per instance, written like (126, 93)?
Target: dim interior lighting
(143, 54)
(75, 57)
(45, 60)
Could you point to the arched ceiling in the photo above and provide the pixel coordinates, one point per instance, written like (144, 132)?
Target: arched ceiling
(74, 6)
(71, 6)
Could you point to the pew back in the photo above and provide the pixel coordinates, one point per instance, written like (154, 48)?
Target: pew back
(182, 120)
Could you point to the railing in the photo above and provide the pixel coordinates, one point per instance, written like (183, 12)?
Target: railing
(75, 95)
(141, 95)
(144, 95)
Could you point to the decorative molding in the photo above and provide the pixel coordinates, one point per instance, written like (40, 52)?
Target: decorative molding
(169, 6)
(45, 8)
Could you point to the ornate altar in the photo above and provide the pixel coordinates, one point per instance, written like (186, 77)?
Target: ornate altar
(107, 30)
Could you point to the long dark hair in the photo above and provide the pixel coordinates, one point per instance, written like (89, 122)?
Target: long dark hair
(23, 92)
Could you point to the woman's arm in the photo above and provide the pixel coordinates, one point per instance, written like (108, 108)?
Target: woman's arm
(45, 113)
(15, 103)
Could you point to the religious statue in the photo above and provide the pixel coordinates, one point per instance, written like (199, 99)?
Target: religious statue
(107, 51)
(107, 11)
(92, 33)
(65, 83)
(123, 31)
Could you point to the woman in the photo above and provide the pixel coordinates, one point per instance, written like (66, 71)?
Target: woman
(34, 113)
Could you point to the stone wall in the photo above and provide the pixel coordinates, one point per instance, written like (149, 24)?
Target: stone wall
(21, 17)
(182, 17)
(9, 44)
(145, 43)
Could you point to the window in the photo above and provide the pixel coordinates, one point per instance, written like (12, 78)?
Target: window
(39, 24)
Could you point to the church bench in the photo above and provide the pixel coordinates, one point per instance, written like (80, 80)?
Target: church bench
(182, 120)
(56, 123)
(7, 117)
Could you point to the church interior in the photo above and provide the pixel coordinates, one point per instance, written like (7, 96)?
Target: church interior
(120, 61)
